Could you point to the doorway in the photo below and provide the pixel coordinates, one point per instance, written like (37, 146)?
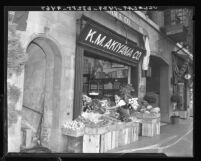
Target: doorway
(41, 98)
(158, 82)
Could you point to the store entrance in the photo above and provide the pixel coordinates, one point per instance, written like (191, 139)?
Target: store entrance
(157, 82)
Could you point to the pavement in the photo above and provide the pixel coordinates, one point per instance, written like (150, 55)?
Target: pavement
(175, 140)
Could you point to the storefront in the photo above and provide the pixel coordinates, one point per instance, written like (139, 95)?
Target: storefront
(182, 80)
(104, 62)
(92, 54)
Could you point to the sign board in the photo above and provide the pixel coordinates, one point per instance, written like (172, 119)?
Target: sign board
(104, 40)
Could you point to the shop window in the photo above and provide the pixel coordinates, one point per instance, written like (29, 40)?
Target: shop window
(103, 78)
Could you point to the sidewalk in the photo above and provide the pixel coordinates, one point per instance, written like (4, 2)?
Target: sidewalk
(169, 135)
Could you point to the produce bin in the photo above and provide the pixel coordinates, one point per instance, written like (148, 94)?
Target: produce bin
(150, 126)
(74, 140)
(103, 139)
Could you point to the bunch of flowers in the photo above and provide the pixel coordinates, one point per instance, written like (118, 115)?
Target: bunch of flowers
(74, 125)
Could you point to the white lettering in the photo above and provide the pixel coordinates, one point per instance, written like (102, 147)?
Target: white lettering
(118, 45)
(107, 45)
(129, 53)
(113, 45)
(139, 55)
(136, 55)
(90, 34)
(122, 51)
(98, 41)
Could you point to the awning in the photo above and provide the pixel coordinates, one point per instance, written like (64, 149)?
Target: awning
(183, 53)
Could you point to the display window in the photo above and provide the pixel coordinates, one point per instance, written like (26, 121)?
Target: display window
(102, 78)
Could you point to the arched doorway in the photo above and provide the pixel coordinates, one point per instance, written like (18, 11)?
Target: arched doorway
(41, 98)
(158, 82)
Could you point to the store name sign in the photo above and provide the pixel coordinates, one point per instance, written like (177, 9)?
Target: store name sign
(109, 42)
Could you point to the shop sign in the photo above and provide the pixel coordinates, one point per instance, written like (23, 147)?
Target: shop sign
(102, 39)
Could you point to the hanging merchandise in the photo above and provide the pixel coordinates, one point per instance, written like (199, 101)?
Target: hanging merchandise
(183, 68)
(145, 63)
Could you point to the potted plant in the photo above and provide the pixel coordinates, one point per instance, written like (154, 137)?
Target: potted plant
(175, 100)
(151, 98)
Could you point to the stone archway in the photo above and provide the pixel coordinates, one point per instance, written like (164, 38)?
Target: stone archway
(159, 83)
(42, 87)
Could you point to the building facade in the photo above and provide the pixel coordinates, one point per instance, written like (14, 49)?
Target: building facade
(62, 47)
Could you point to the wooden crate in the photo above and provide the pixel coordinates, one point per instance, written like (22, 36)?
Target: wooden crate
(134, 134)
(122, 137)
(91, 143)
(150, 127)
(106, 142)
(74, 144)
(115, 139)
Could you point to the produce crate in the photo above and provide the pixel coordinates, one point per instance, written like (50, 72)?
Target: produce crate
(91, 143)
(115, 139)
(74, 140)
(74, 144)
(134, 134)
(106, 142)
(105, 138)
(150, 127)
(129, 133)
